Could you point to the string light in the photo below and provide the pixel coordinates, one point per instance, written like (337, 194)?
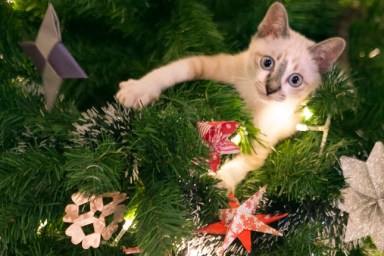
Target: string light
(129, 218)
(307, 114)
(236, 139)
(302, 127)
(374, 53)
(41, 226)
(127, 224)
(240, 135)
(192, 252)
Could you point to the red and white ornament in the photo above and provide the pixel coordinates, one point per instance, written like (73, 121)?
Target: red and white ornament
(239, 220)
(216, 134)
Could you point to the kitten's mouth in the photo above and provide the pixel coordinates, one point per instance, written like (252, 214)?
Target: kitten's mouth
(269, 93)
(269, 90)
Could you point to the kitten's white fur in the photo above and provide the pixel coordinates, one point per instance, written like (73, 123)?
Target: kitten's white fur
(275, 114)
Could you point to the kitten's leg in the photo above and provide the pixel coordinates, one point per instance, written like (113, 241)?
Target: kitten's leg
(235, 170)
(222, 67)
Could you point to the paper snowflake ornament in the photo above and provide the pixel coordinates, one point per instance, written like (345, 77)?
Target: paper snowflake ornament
(364, 198)
(96, 217)
(51, 57)
(239, 220)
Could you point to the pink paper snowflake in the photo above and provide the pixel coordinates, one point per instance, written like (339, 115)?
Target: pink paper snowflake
(96, 216)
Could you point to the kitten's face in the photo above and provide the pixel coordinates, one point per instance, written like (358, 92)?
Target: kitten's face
(284, 65)
(283, 68)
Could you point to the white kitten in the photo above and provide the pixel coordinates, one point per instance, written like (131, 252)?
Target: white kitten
(273, 76)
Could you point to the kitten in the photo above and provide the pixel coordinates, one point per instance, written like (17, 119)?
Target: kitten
(273, 76)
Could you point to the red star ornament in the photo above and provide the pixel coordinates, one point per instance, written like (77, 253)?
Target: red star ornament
(239, 221)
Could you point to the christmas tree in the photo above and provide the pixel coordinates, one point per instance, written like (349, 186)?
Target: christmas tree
(89, 143)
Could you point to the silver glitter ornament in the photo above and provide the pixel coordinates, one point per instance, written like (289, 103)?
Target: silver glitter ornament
(364, 198)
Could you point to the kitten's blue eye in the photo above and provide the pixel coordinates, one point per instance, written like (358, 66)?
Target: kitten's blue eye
(295, 80)
(267, 63)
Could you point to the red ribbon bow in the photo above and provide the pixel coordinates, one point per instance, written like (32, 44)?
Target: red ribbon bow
(216, 134)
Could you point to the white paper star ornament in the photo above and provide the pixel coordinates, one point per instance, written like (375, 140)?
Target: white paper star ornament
(51, 57)
(364, 198)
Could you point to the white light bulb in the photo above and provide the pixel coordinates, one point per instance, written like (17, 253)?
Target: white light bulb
(192, 252)
(307, 113)
(41, 226)
(374, 53)
(127, 224)
(236, 139)
(302, 127)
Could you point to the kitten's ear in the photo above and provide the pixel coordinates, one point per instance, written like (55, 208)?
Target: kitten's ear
(275, 22)
(326, 53)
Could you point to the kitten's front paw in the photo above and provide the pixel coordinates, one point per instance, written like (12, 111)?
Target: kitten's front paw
(231, 174)
(133, 93)
(224, 183)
